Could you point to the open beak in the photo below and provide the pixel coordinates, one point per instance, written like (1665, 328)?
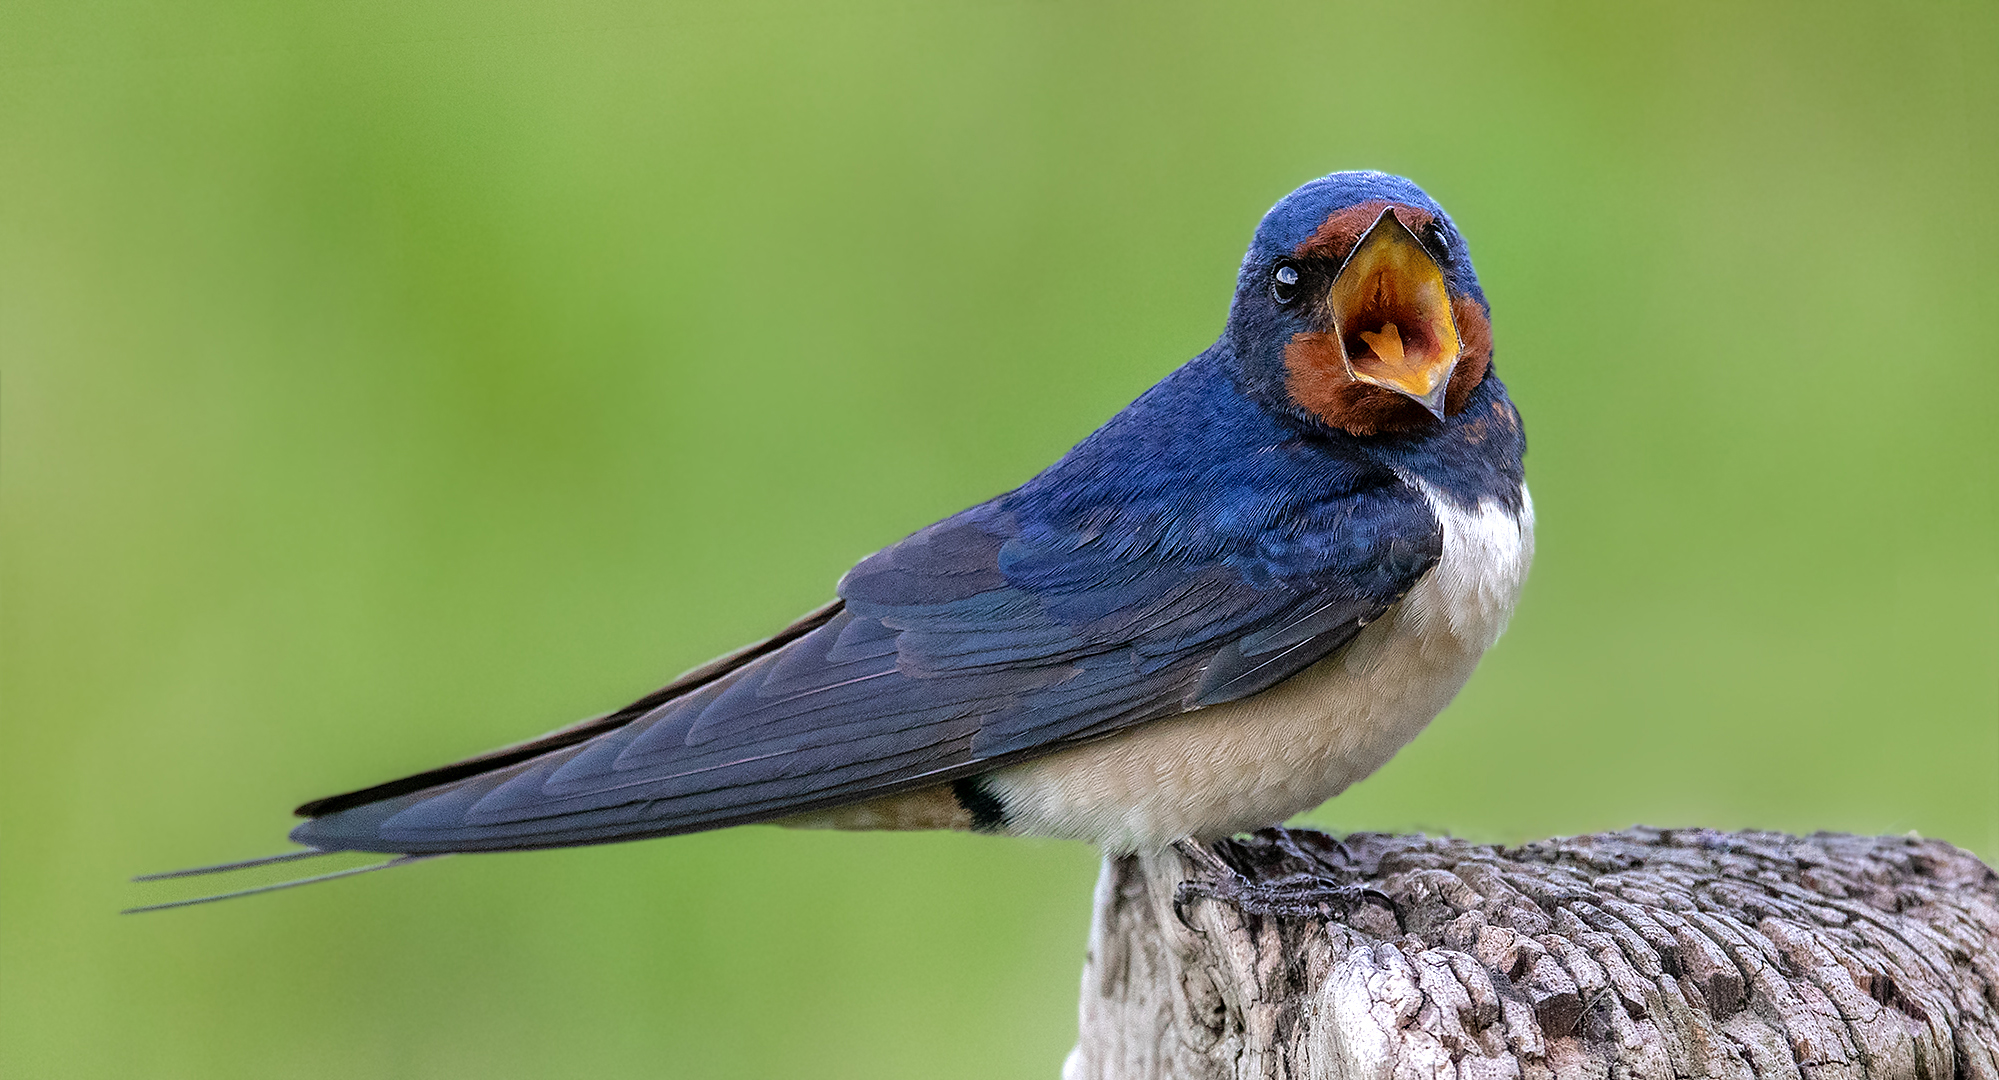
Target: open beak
(1392, 315)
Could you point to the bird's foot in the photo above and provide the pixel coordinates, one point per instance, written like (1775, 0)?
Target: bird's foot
(1299, 893)
(1296, 895)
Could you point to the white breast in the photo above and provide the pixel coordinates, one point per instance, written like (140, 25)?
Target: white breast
(1261, 760)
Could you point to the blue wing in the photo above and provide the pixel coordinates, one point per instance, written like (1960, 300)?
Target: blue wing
(1088, 601)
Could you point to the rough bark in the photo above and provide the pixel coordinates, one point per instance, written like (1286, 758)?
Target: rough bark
(1641, 954)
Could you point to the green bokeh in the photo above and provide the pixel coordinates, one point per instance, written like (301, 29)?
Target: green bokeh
(387, 380)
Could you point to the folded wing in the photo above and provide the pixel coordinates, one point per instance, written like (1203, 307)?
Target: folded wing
(972, 644)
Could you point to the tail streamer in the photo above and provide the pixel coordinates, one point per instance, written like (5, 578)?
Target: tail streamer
(401, 860)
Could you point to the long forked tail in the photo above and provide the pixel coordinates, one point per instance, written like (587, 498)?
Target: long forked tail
(268, 860)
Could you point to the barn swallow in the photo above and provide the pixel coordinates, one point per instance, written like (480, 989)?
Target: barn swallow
(1242, 594)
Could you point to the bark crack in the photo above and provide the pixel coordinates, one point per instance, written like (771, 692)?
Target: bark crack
(1640, 955)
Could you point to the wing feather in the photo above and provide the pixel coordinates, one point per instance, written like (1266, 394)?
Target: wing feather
(977, 642)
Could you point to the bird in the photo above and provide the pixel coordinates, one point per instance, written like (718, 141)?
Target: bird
(1242, 594)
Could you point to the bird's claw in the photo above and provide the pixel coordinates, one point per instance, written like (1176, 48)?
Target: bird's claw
(1293, 895)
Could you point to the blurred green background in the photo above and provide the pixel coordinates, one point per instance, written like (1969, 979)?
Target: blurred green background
(388, 379)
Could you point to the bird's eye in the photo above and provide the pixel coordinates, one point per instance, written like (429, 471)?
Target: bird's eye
(1284, 284)
(1434, 233)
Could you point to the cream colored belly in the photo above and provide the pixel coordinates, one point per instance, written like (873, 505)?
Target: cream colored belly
(1243, 765)
(1261, 760)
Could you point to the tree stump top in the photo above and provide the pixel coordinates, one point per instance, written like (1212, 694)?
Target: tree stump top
(1644, 953)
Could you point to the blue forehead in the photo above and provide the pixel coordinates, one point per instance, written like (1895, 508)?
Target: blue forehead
(1297, 216)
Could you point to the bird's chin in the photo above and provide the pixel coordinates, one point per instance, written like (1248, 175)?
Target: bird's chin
(1319, 383)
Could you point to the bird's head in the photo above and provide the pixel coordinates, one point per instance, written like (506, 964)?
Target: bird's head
(1357, 308)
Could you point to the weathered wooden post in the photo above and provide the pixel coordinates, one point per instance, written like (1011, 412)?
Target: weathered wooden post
(1642, 954)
